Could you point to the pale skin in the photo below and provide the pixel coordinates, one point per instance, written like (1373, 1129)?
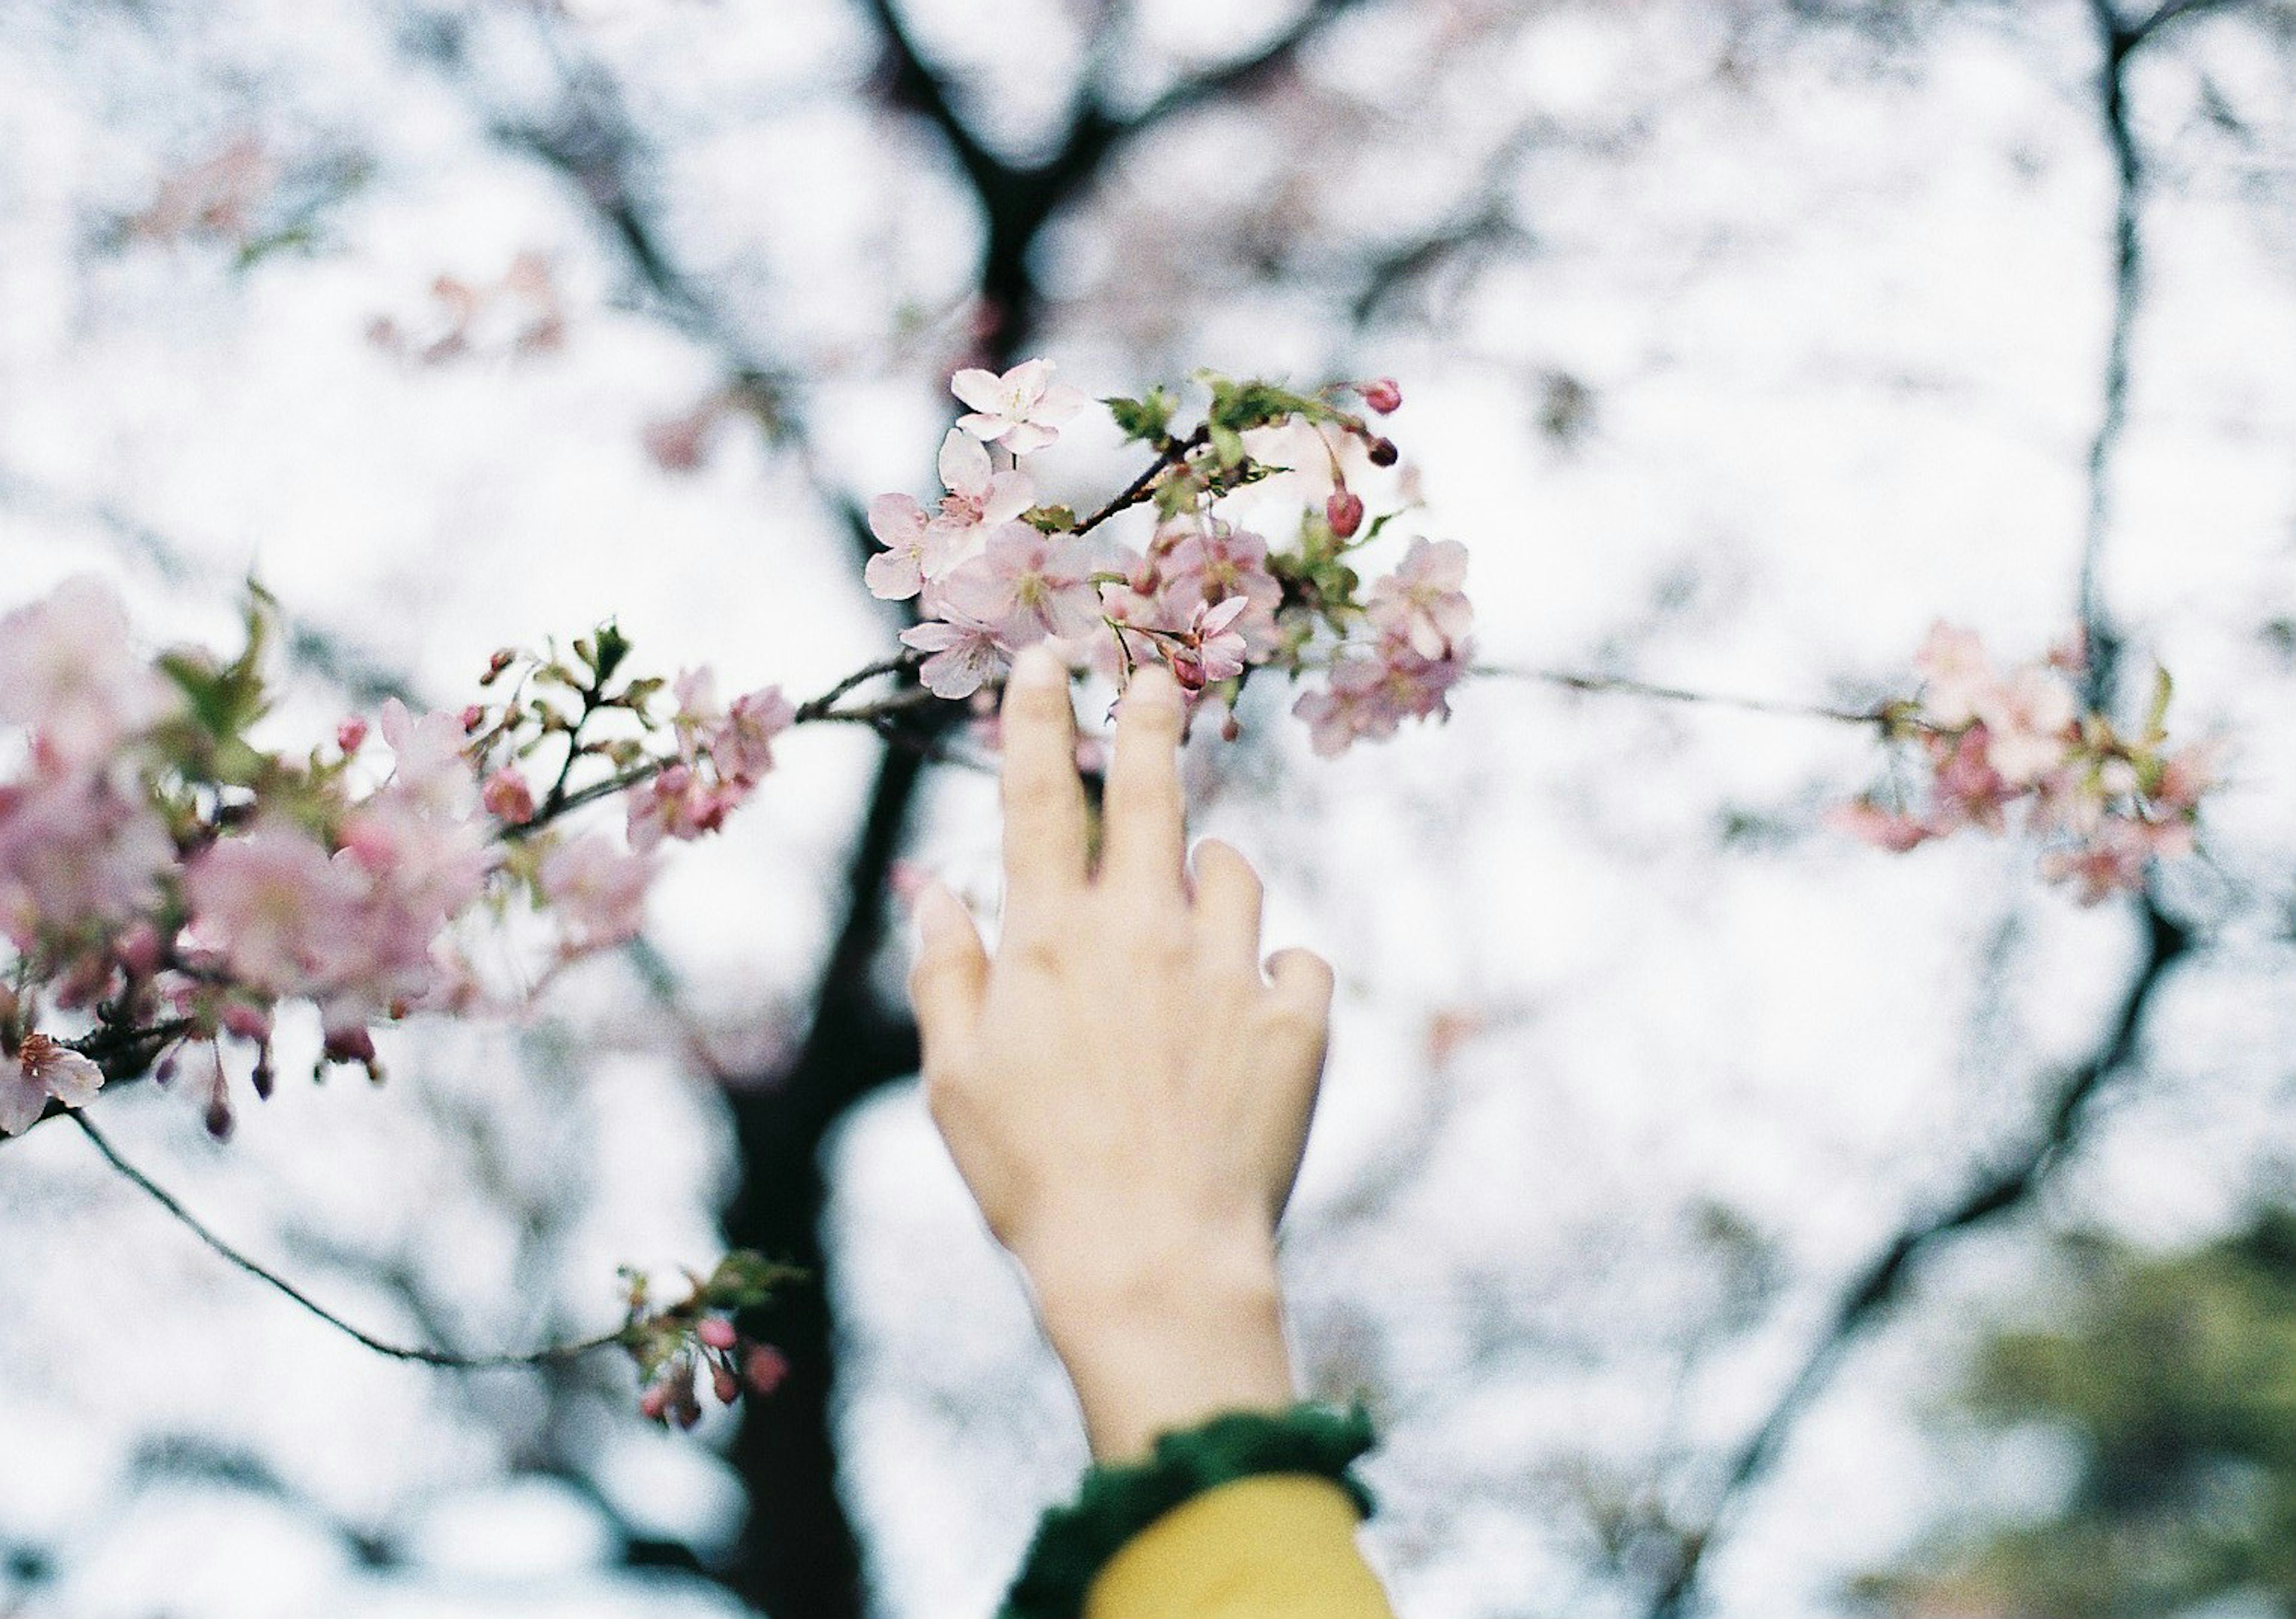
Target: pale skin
(1124, 1087)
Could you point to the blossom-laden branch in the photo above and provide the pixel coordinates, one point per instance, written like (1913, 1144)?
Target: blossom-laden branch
(668, 1342)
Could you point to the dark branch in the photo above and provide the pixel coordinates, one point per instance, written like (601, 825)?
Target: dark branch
(552, 1354)
(2007, 1186)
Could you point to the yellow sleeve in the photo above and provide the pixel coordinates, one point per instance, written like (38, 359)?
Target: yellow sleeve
(1269, 1546)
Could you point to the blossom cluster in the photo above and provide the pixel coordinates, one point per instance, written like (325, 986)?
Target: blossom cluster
(993, 570)
(680, 1347)
(2105, 803)
(167, 880)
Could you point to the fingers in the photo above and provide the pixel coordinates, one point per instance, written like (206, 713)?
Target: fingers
(1227, 905)
(1300, 1005)
(1142, 812)
(1043, 800)
(949, 975)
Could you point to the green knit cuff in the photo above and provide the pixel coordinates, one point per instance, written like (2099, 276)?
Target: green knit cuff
(1114, 1503)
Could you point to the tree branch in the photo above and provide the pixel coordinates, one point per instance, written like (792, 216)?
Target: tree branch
(1572, 679)
(2007, 1186)
(550, 1355)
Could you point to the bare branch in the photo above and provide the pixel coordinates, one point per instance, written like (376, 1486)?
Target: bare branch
(2010, 1184)
(550, 1355)
(1572, 679)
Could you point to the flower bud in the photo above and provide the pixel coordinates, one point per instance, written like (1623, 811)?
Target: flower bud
(507, 797)
(1344, 510)
(1380, 393)
(717, 1331)
(247, 1022)
(137, 950)
(473, 715)
(763, 1368)
(1231, 727)
(724, 1385)
(351, 734)
(1383, 452)
(653, 1404)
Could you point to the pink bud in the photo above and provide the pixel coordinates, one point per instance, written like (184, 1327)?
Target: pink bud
(1345, 512)
(471, 716)
(507, 797)
(726, 1385)
(247, 1022)
(717, 1332)
(763, 1368)
(1231, 727)
(351, 1045)
(138, 950)
(1383, 452)
(351, 734)
(1380, 393)
(654, 1402)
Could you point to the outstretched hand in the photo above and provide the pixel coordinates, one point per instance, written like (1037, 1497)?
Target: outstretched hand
(1124, 1091)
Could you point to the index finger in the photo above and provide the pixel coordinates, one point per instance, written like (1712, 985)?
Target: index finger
(1045, 820)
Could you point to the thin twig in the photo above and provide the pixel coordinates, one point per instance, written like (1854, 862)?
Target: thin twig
(1572, 680)
(554, 1354)
(1173, 452)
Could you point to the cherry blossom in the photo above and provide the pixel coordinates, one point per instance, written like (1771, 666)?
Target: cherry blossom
(79, 849)
(1213, 649)
(596, 890)
(980, 500)
(1029, 585)
(1955, 673)
(1023, 409)
(900, 525)
(277, 907)
(965, 653)
(1422, 599)
(68, 670)
(42, 1069)
(2028, 719)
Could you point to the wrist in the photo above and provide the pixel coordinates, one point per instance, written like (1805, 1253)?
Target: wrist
(1165, 1335)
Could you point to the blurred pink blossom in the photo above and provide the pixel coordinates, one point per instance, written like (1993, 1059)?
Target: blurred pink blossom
(1422, 599)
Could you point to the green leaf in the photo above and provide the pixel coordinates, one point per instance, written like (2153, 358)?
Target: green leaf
(1148, 419)
(2157, 716)
(744, 1279)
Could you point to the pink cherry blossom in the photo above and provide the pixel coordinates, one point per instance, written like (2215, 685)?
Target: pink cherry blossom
(1213, 649)
(1210, 565)
(1968, 789)
(896, 573)
(1029, 585)
(1421, 601)
(79, 848)
(742, 747)
(2112, 861)
(276, 906)
(980, 500)
(70, 671)
(1023, 409)
(1884, 829)
(964, 650)
(1956, 674)
(596, 890)
(44, 1068)
(1369, 696)
(428, 764)
(680, 802)
(2028, 718)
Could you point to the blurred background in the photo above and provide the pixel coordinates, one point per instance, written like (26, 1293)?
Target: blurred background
(1719, 1216)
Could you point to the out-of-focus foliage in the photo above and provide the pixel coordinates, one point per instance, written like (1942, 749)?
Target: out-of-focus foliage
(2173, 1383)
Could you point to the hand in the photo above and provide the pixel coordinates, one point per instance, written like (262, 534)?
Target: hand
(1123, 1092)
